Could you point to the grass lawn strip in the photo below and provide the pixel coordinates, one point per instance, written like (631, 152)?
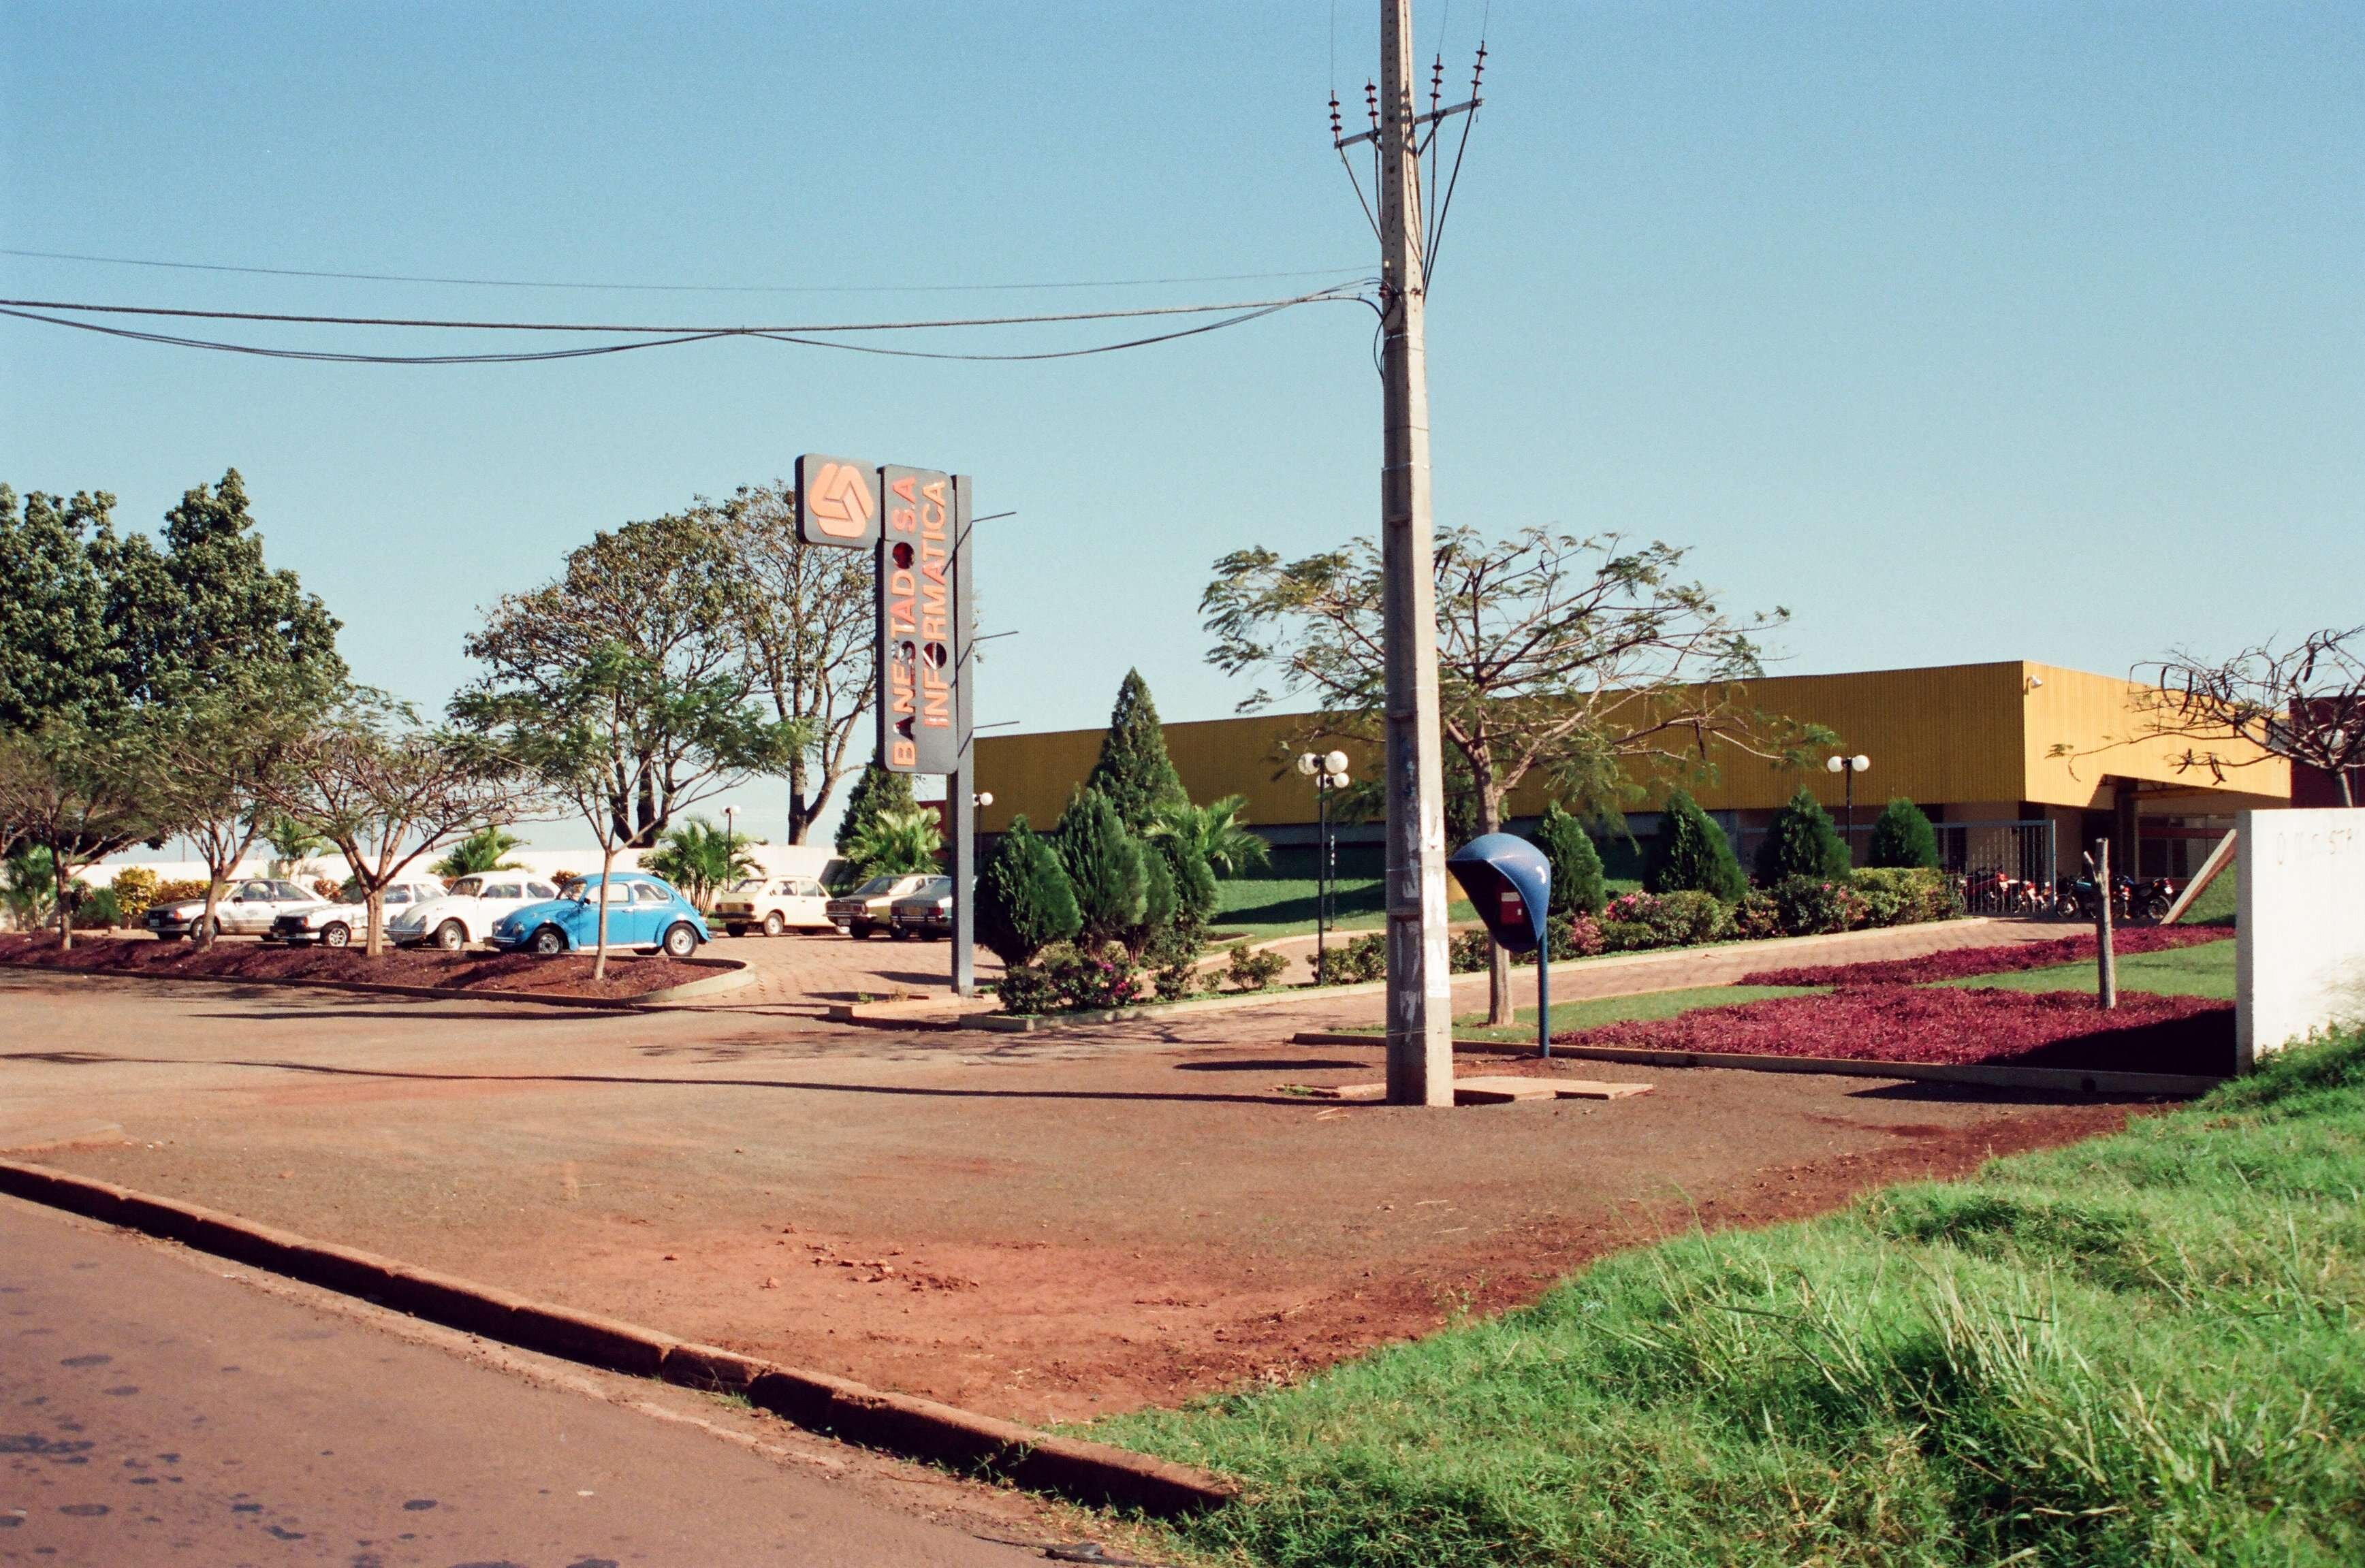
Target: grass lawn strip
(1266, 907)
(1640, 1007)
(2142, 1350)
(2206, 970)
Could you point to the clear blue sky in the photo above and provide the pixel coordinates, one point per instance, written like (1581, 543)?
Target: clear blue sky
(1965, 331)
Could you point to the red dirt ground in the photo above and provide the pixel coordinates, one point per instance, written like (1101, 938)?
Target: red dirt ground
(1960, 963)
(569, 974)
(1944, 1024)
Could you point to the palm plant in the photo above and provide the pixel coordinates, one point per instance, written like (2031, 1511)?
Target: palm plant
(28, 890)
(1218, 831)
(893, 843)
(292, 842)
(699, 858)
(481, 851)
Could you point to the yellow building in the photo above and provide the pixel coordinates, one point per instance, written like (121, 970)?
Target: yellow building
(2049, 752)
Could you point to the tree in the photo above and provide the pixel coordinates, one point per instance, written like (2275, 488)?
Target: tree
(486, 849)
(1902, 835)
(1025, 902)
(897, 843)
(2304, 704)
(1691, 852)
(1105, 865)
(1577, 881)
(1133, 773)
(809, 615)
(386, 791)
(78, 793)
(292, 842)
(1801, 842)
(666, 595)
(1217, 833)
(700, 859)
(874, 791)
(580, 734)
(1575, 655)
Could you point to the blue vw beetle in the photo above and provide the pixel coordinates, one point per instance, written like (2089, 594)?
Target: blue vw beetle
(642, 912)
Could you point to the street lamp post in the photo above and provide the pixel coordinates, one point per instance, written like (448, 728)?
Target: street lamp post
(1850, 767)
(1328, 771)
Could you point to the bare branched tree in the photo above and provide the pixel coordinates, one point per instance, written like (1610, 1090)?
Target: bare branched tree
(2304, 704)
(810, 618)
(1578, 656)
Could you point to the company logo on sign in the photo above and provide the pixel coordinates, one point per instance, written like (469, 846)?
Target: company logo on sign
(840, 500)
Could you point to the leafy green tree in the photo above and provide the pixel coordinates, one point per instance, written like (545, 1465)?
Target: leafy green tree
(1217, 833)
(699, 858)
(1902, 835)
(1691, 852)
(79, 793)
(1133, 773)
(292, 842)
(666, 596)
(577, 732)
(486, 849)
(28, 887)
(874, 791)
(895, 843)
(1577, 884)
(1801, 842)
(1104, 864)
(1025, 902)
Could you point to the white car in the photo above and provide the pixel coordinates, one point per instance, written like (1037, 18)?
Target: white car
(773, 904)
(247, 907)
(338, 924)
(467, 912)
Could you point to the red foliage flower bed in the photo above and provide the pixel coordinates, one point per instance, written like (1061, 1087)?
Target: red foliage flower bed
(569, 974)
(1958, 963)
(1947, 1025)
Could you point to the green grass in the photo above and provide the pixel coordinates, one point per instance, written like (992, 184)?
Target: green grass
(1639, 1008)
(2148, 1348)
(2206, 970)
(2217, 902)
(1265, 907)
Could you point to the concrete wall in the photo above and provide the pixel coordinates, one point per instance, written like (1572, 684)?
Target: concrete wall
(2300, 937)
(775, 860)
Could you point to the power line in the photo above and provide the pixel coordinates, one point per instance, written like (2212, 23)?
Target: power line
(668, 287)
(285, 318)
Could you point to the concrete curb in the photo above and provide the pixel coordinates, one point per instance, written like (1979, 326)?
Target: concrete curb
(898, 1423)
(2060, 1080)
(740, 976)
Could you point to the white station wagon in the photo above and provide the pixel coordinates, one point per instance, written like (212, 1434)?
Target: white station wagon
(467, 912)
(773, 904)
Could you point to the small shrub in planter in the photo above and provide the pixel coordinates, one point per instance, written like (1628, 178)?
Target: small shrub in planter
(1812, 906)
(1757, 916)
(1364, 958)
(1253, 971)
(1028, 988)
(1065, 977)
(1467, 952)
(1629, 936)
(1176, 980)
(95, 909)
(135, 889)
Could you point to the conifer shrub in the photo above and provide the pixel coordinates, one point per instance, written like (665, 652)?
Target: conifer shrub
(876, 790)
(1801, 842)
(1104, 863)
(1576, 879)
(1133, 773)
(1025, 902)
(1902, 837)
(1691, 852)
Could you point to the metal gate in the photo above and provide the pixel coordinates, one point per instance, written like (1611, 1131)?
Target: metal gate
(2005, 868)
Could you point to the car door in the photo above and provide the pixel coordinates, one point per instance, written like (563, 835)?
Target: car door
(249, 910)
(807, 905)
(651, 911)
(500, 896)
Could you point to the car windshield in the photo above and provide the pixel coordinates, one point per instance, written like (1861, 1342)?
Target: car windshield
(877, 885)
(748, 885)
(467, 886)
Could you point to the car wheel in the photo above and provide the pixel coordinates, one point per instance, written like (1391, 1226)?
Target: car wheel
(336, 935)
(680, 939)
(858, 931)
(773, 925)
(450, 936)
(900, 932)
(202, 930)
(734, 931)
(547, 941)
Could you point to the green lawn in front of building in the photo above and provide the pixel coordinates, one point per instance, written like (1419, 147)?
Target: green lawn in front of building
(1639, 1008)
(1266, 907)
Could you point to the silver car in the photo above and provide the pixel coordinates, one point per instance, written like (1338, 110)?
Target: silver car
(338, 924)
(247, 909)
(929, 911)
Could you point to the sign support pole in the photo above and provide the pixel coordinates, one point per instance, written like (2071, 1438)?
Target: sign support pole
(960, 789)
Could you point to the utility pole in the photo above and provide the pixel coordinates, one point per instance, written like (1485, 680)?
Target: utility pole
(1420, 1008)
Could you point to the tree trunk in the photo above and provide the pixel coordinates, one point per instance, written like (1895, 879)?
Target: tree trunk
(203, 937)
(373, 943)
(63, 875)
(799, 815)
(600, 947)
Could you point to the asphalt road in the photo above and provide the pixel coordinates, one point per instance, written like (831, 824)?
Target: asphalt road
(152, 1410)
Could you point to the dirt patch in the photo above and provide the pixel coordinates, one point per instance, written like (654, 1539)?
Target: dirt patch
(2146, 1033)
(567, 974)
